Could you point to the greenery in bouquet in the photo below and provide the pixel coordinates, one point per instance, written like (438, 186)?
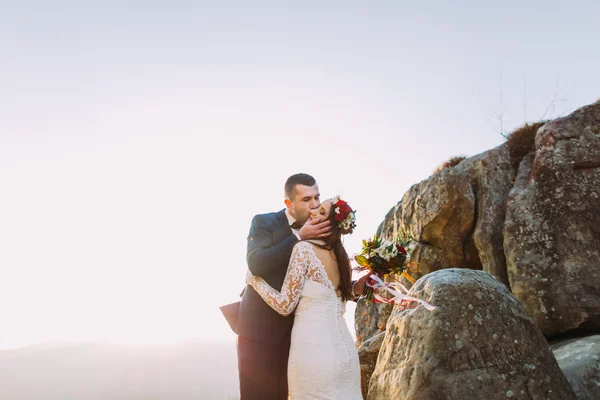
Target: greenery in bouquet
(384, 257)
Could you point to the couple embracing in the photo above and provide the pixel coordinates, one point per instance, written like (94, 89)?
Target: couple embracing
(291, 330)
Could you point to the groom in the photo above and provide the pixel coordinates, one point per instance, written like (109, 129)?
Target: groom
(263, 334)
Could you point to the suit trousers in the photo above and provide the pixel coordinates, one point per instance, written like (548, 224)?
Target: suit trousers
(263, 369)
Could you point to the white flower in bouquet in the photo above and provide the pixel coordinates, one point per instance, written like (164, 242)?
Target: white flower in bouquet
(387, 250)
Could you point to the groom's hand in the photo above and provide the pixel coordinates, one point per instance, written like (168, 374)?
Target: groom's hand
(313, 229)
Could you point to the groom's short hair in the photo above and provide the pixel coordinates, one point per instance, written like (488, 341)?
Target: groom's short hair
(297, 179)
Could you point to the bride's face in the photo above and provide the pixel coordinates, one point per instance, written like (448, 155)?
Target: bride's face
(321, 213)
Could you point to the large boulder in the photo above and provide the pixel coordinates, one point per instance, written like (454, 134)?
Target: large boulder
(391, 224)
(579, 359)
(457, 215)
(479, 343)
(456, 218)
(440, 213)
(552, 228)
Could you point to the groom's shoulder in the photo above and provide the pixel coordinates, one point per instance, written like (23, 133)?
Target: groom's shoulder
(271, 215)
(268, 217)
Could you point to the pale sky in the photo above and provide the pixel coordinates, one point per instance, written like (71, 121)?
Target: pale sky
(138, 139)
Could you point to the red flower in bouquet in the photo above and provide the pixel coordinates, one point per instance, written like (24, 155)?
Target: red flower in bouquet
(401, 249)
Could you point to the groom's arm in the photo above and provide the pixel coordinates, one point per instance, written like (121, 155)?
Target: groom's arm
(263, 256)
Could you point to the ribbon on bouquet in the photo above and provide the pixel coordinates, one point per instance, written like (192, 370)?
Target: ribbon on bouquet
(396, 289)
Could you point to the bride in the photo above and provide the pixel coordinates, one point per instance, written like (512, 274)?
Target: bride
(323, 362)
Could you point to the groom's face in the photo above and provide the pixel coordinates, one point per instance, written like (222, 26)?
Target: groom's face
(306, 198)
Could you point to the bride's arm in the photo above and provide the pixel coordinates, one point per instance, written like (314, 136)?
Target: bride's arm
(285, 302)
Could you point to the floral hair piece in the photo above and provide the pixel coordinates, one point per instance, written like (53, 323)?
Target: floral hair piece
(344, 216)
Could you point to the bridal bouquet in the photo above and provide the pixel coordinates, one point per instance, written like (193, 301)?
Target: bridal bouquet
(384, 257)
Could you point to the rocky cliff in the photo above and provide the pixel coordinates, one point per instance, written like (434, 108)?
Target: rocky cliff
(526, 213)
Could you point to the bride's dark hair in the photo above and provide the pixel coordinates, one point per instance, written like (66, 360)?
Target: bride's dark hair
(335, 242)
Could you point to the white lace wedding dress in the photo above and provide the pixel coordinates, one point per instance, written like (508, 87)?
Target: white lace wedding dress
(323, 361)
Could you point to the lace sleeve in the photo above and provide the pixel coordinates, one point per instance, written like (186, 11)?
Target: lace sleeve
(285, 302)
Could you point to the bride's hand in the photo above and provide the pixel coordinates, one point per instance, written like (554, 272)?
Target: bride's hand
(360, 285)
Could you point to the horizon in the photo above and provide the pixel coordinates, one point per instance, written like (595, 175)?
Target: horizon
(138, 141)
(130, 344)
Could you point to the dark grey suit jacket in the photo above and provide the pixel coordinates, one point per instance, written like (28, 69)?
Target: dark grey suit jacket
(270, 245)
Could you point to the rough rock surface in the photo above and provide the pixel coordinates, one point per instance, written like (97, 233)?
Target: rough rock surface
(370, 319)
(579, 359)
(491, 174)
(440, 212)
(457, 215)
(552, 229)
(390, 226)
(478, 343)
(367, 355)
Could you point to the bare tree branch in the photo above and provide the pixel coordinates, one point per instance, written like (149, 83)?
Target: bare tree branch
(557, 97)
